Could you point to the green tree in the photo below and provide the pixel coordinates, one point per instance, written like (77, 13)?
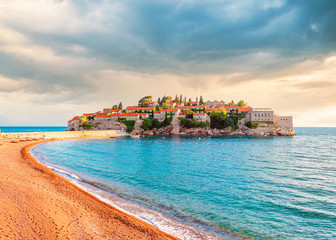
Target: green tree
(83, 120)
(232, 103)
(165, 105)
(214, 113)
(189, 100)
(185, 100)
(197, 100)
(201, 101)
(120, 105)
(189, 113)
(115, 106)
(147, 124)
(159, 101)
(90, 117)
(241, 103)
(181, 100)
(158, 108)
(143, 102)
(176, 100)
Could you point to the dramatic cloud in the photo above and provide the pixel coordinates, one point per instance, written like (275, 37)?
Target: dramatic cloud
(68, 57)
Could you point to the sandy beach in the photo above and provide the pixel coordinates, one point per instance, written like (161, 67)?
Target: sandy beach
(36, 203)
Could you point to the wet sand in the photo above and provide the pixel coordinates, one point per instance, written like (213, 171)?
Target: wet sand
(36, 203)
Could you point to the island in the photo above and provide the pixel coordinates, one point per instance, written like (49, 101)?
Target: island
(179, 116)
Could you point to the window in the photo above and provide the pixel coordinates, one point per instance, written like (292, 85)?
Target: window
(262, 115)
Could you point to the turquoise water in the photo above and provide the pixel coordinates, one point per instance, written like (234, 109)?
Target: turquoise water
(7, 129)
(262, 188)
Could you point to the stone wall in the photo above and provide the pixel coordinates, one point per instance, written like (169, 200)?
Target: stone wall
(283, 122)
(264, 129)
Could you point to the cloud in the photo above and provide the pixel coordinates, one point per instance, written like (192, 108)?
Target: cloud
(96, 52)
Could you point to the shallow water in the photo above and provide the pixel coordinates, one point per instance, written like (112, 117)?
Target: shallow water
(262, 188)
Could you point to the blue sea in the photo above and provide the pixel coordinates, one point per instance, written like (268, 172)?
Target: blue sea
(211, 187)
(8, 129)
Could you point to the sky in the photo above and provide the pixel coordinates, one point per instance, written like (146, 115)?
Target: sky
(60, 58)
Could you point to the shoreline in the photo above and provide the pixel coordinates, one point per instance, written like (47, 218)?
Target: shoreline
(159, 219)
(76, 214)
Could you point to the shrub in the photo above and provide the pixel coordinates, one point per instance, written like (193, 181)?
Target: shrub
(192, 123)
(241, 116)
(147, 124)
(252, 125)
(234, 128)
(129, 125)
(151, 123)
(87, 126)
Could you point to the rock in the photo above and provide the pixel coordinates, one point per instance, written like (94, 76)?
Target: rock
(285, 132)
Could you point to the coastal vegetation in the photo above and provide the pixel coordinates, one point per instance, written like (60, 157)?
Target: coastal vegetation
(129, 125)
(193, 123)
(151, 123)
(166, 102)
(221, 120)
(252, 125)
(144, 102)
(84, 123)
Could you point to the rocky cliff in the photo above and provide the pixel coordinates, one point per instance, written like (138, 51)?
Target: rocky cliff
(244, 131)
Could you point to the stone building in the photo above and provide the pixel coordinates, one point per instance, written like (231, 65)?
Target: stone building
(73, 124)
(159, 115)
(262, 115)
(283, 122)
(202, 117)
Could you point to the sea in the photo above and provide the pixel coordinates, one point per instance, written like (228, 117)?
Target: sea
(16, 129)
(210, 187)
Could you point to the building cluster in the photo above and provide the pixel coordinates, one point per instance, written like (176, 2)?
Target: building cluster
(201, 113)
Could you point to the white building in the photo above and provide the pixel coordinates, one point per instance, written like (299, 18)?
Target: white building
(202, 117)
(159, 115)
(262, 115)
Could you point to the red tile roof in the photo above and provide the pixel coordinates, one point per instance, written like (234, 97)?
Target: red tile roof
(116, 110)
(170, 110)
(106, 109)
(181, 113)
(247, 109)
(186, 107)
(125, 114)
(140, 108)
(74, 118)
(157, 112)
(199, 106)
(199, 114)
(89, 114)
(143, 114)
(102, 116)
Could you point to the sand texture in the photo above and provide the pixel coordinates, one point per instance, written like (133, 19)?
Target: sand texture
(36, 203)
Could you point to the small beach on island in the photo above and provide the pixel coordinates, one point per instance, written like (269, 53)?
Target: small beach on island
(38, 204)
